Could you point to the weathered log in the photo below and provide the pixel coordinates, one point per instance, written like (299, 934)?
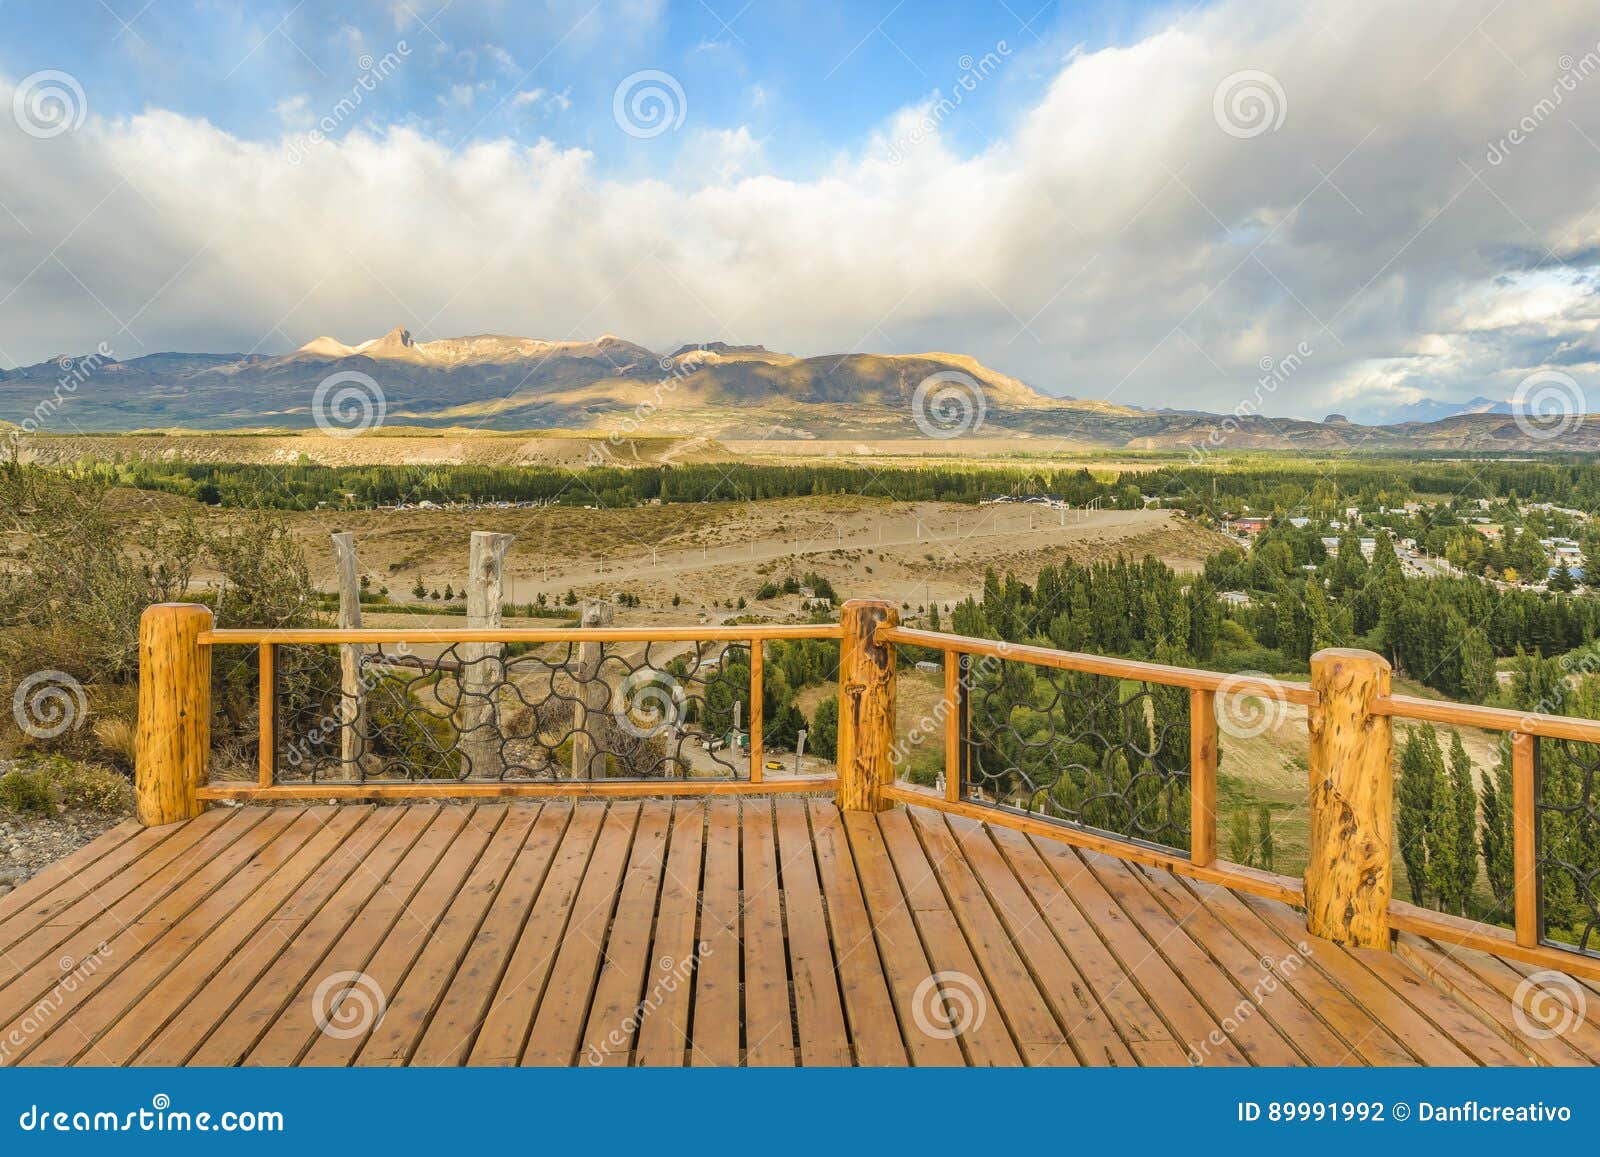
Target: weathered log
(173, 738)
(1349, 870)
(866, 706)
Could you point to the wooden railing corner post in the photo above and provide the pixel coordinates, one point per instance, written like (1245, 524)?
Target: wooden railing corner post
(1349, 867)
(866, 706)
(174, 730)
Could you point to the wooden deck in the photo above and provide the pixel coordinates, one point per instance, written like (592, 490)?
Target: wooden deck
(716, 932)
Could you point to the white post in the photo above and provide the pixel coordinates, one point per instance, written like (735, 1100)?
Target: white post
(352, 689)
(481, 668)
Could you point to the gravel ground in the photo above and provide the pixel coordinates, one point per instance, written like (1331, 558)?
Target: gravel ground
(29, 843)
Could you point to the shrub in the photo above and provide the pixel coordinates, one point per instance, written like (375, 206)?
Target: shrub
(92, 787)
(27, 792)
(118, 737)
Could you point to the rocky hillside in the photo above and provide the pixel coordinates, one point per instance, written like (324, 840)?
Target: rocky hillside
(717, 390)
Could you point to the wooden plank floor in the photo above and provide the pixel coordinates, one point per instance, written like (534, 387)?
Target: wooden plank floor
(701, 933)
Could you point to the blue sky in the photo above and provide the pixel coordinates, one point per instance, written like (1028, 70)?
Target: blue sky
(1154, 204)
(815, 77)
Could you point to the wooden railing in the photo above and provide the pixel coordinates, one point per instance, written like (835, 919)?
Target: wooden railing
(1346, 891)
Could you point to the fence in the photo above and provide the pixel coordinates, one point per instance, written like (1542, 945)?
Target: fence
(1114, 755)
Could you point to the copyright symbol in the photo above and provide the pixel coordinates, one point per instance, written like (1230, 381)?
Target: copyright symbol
(1401, 1111)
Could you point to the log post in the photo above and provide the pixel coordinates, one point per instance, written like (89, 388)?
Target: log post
(352, 684)
(866, 706)
(174, 730)
(481, 670)
(1349, 869)
(588, 748)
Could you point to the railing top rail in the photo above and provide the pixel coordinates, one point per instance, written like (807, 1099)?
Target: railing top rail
(1300, 693)
(1488, 718)
(333, 635)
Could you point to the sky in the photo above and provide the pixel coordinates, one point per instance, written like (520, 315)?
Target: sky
(1292, 207)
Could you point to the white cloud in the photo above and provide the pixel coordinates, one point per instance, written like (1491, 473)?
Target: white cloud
(1113, 241)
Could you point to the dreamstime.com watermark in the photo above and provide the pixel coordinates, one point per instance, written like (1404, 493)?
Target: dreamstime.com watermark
(74, 373)
(676, 368)
(1274, 972)
(346, 1004)
(1573, 74)
(648, 103)
(49, 103)
(1274, 373)
(973, 73)
(328, 726)
(49, 703)
(75, 975)
(649, 702)
(160, 1117)
(948, 1004)
(348, 403)
(1250, 703)
(1548, 404)
(1549, 1004)
(673, 974)
(1249, 103)
(948, 404)
(373, 74)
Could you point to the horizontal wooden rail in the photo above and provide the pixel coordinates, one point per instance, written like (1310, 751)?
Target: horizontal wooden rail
(1280, 689)
(1458, 931)
(478, 789)
(333, 635)
(1488, 718)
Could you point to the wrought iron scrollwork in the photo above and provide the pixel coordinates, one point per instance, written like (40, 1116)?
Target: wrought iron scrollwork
(1085, 750)
(497, 712)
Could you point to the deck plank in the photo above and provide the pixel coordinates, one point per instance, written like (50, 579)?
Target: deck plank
(558, 1027)
(717, 973)
(83, 870)
(1281, 981)
(1092, 1034)
(402, 859)
(1142, 963)
(199, 943)
(664, 1034)
(868, 1008)
(411, 1005)
(115, 936)
(123, 895)
(288, 957)
(719, 932)
(1148, 1037)
(1490, 986)
(450, 1032)
(985, 1039)
(905, 964)
(1357, 989)
(522, 985)
(619, 1002)
(1040, 1039)
(404, 943)
(219, 967)
(769, 1030)
(820, 1030)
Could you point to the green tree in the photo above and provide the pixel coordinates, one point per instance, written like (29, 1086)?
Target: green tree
(822, 737)
(1419, 778)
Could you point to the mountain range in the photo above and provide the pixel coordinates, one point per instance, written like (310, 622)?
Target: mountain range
(498, 382)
